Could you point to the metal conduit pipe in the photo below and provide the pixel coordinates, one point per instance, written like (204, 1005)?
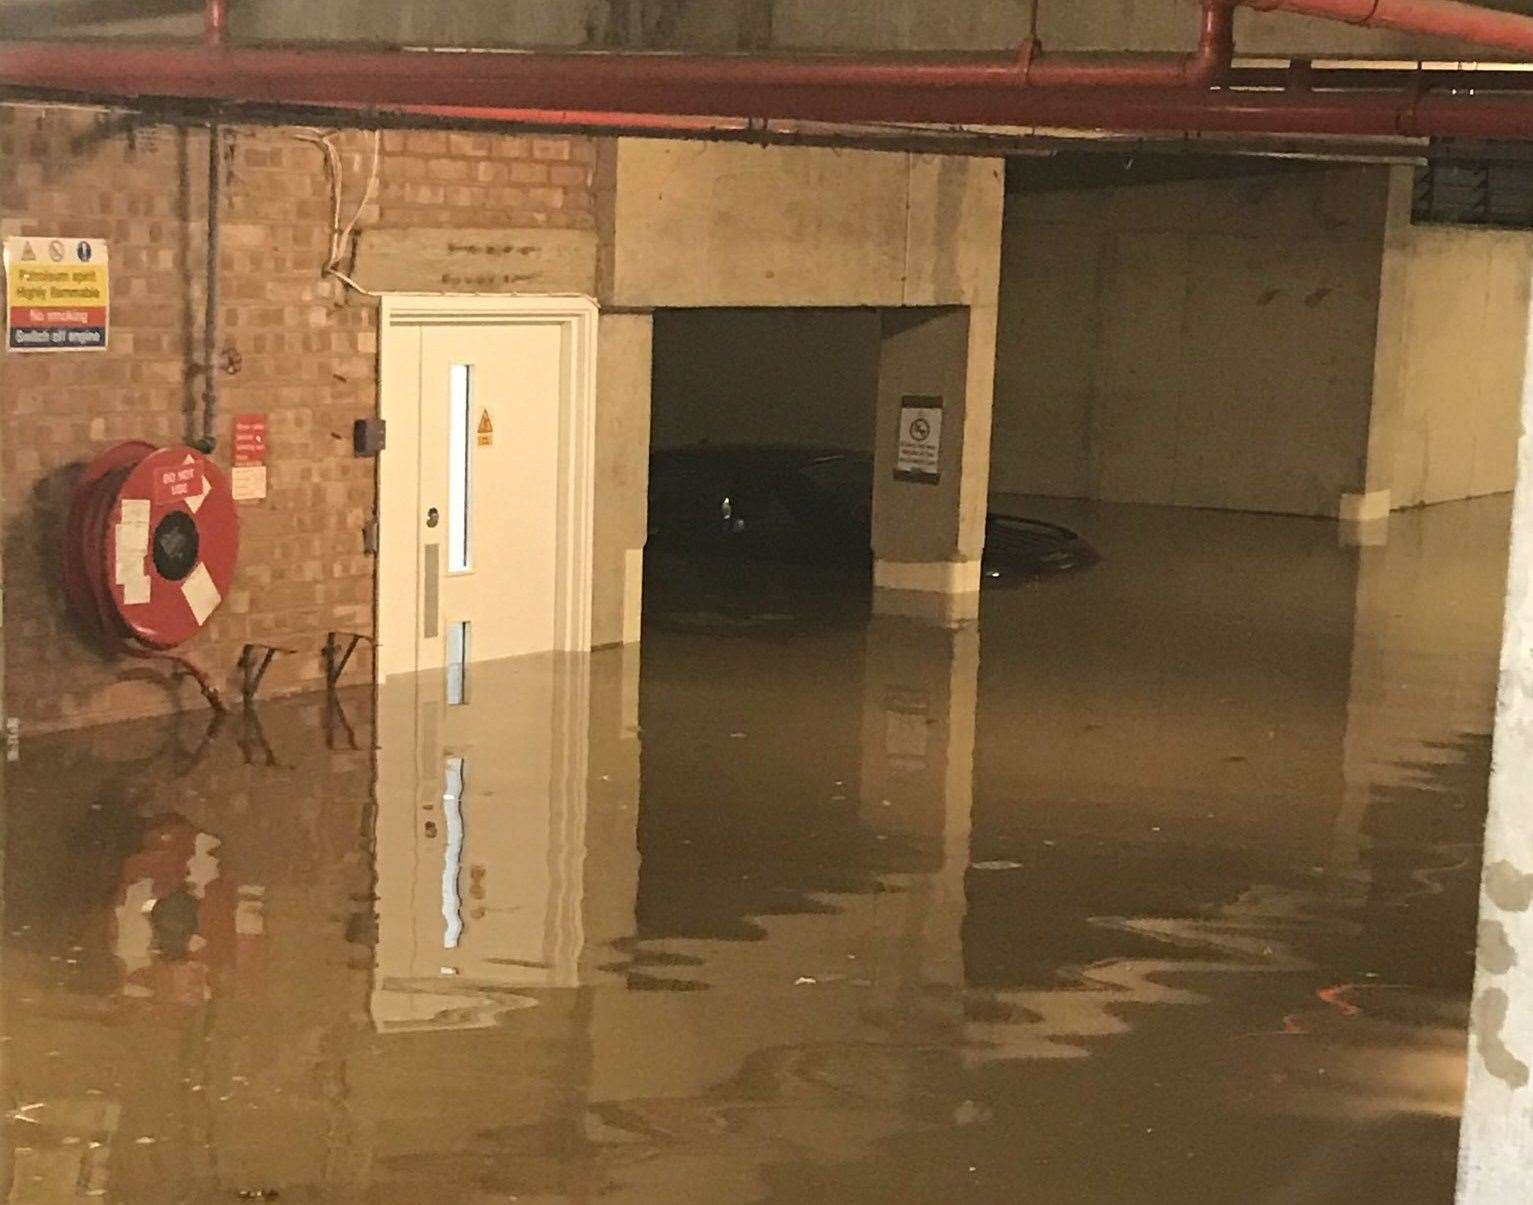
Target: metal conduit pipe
(1487, 27)
(214, 20)
(212, 301)
(1359, 114)
(1301, 75)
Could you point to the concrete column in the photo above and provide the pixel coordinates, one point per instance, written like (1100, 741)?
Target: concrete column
(624, 354)
(1370, 505)
(929, 529)
(1496, 1143)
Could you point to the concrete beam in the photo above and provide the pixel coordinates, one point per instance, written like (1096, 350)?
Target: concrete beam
(719, 224)
(920, 688)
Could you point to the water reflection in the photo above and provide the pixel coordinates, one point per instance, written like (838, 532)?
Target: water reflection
(1167, 895)
(480, 842)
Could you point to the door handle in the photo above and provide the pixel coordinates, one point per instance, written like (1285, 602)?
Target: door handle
(433, 517)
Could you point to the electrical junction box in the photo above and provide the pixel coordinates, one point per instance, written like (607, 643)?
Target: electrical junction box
(368, 436)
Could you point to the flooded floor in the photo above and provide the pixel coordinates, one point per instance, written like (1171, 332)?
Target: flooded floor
(1158, 886)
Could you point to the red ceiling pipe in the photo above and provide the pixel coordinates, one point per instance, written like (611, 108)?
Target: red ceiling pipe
(959, 89)
(881, 91)
(1484, 27)
(575, 80)
(654, 83)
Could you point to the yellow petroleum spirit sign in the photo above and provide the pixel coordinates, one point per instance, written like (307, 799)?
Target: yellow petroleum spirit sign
(56, 294)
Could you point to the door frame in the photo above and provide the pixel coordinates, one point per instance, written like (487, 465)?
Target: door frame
(403, 317)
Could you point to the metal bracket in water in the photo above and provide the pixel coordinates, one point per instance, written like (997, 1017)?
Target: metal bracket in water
(254, 746)
(338, 724)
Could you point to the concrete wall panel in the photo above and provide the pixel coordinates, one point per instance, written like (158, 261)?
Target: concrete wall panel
(1133, 438)
(1453, 386)
(1508, 285)
(1045, 364)
(1207, 343)
(1277, 363)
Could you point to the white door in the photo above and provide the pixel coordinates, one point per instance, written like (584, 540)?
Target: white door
(483, 626)
(485, 482)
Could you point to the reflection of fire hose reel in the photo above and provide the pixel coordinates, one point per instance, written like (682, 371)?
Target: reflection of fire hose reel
(150, 550)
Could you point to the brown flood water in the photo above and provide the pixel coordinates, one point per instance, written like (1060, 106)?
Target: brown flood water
(1160, 886)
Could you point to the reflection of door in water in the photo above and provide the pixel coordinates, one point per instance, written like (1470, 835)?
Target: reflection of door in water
(480, 841)
(484, 485)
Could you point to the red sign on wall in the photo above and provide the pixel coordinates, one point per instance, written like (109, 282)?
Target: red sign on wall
(249, 439)
(248, 478)
(179, 483)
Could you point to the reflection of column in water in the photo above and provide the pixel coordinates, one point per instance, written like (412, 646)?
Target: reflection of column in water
(1429, 606)
(1366, 713)
(918, 794)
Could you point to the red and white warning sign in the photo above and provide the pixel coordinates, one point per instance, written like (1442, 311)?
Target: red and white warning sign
(182, 482)
(248, 476)
(56, 294)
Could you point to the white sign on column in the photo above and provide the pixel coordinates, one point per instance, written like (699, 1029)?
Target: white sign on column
(919, 456)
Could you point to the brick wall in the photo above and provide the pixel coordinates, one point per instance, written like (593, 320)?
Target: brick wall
(306, 354)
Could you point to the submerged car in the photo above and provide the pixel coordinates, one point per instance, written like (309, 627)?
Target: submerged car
(813, 506)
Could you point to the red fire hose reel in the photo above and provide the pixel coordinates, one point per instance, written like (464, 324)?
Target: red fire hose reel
(150, 550)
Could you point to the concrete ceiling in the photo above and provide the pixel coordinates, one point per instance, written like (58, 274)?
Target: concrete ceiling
(724, 25)
(107, 18)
